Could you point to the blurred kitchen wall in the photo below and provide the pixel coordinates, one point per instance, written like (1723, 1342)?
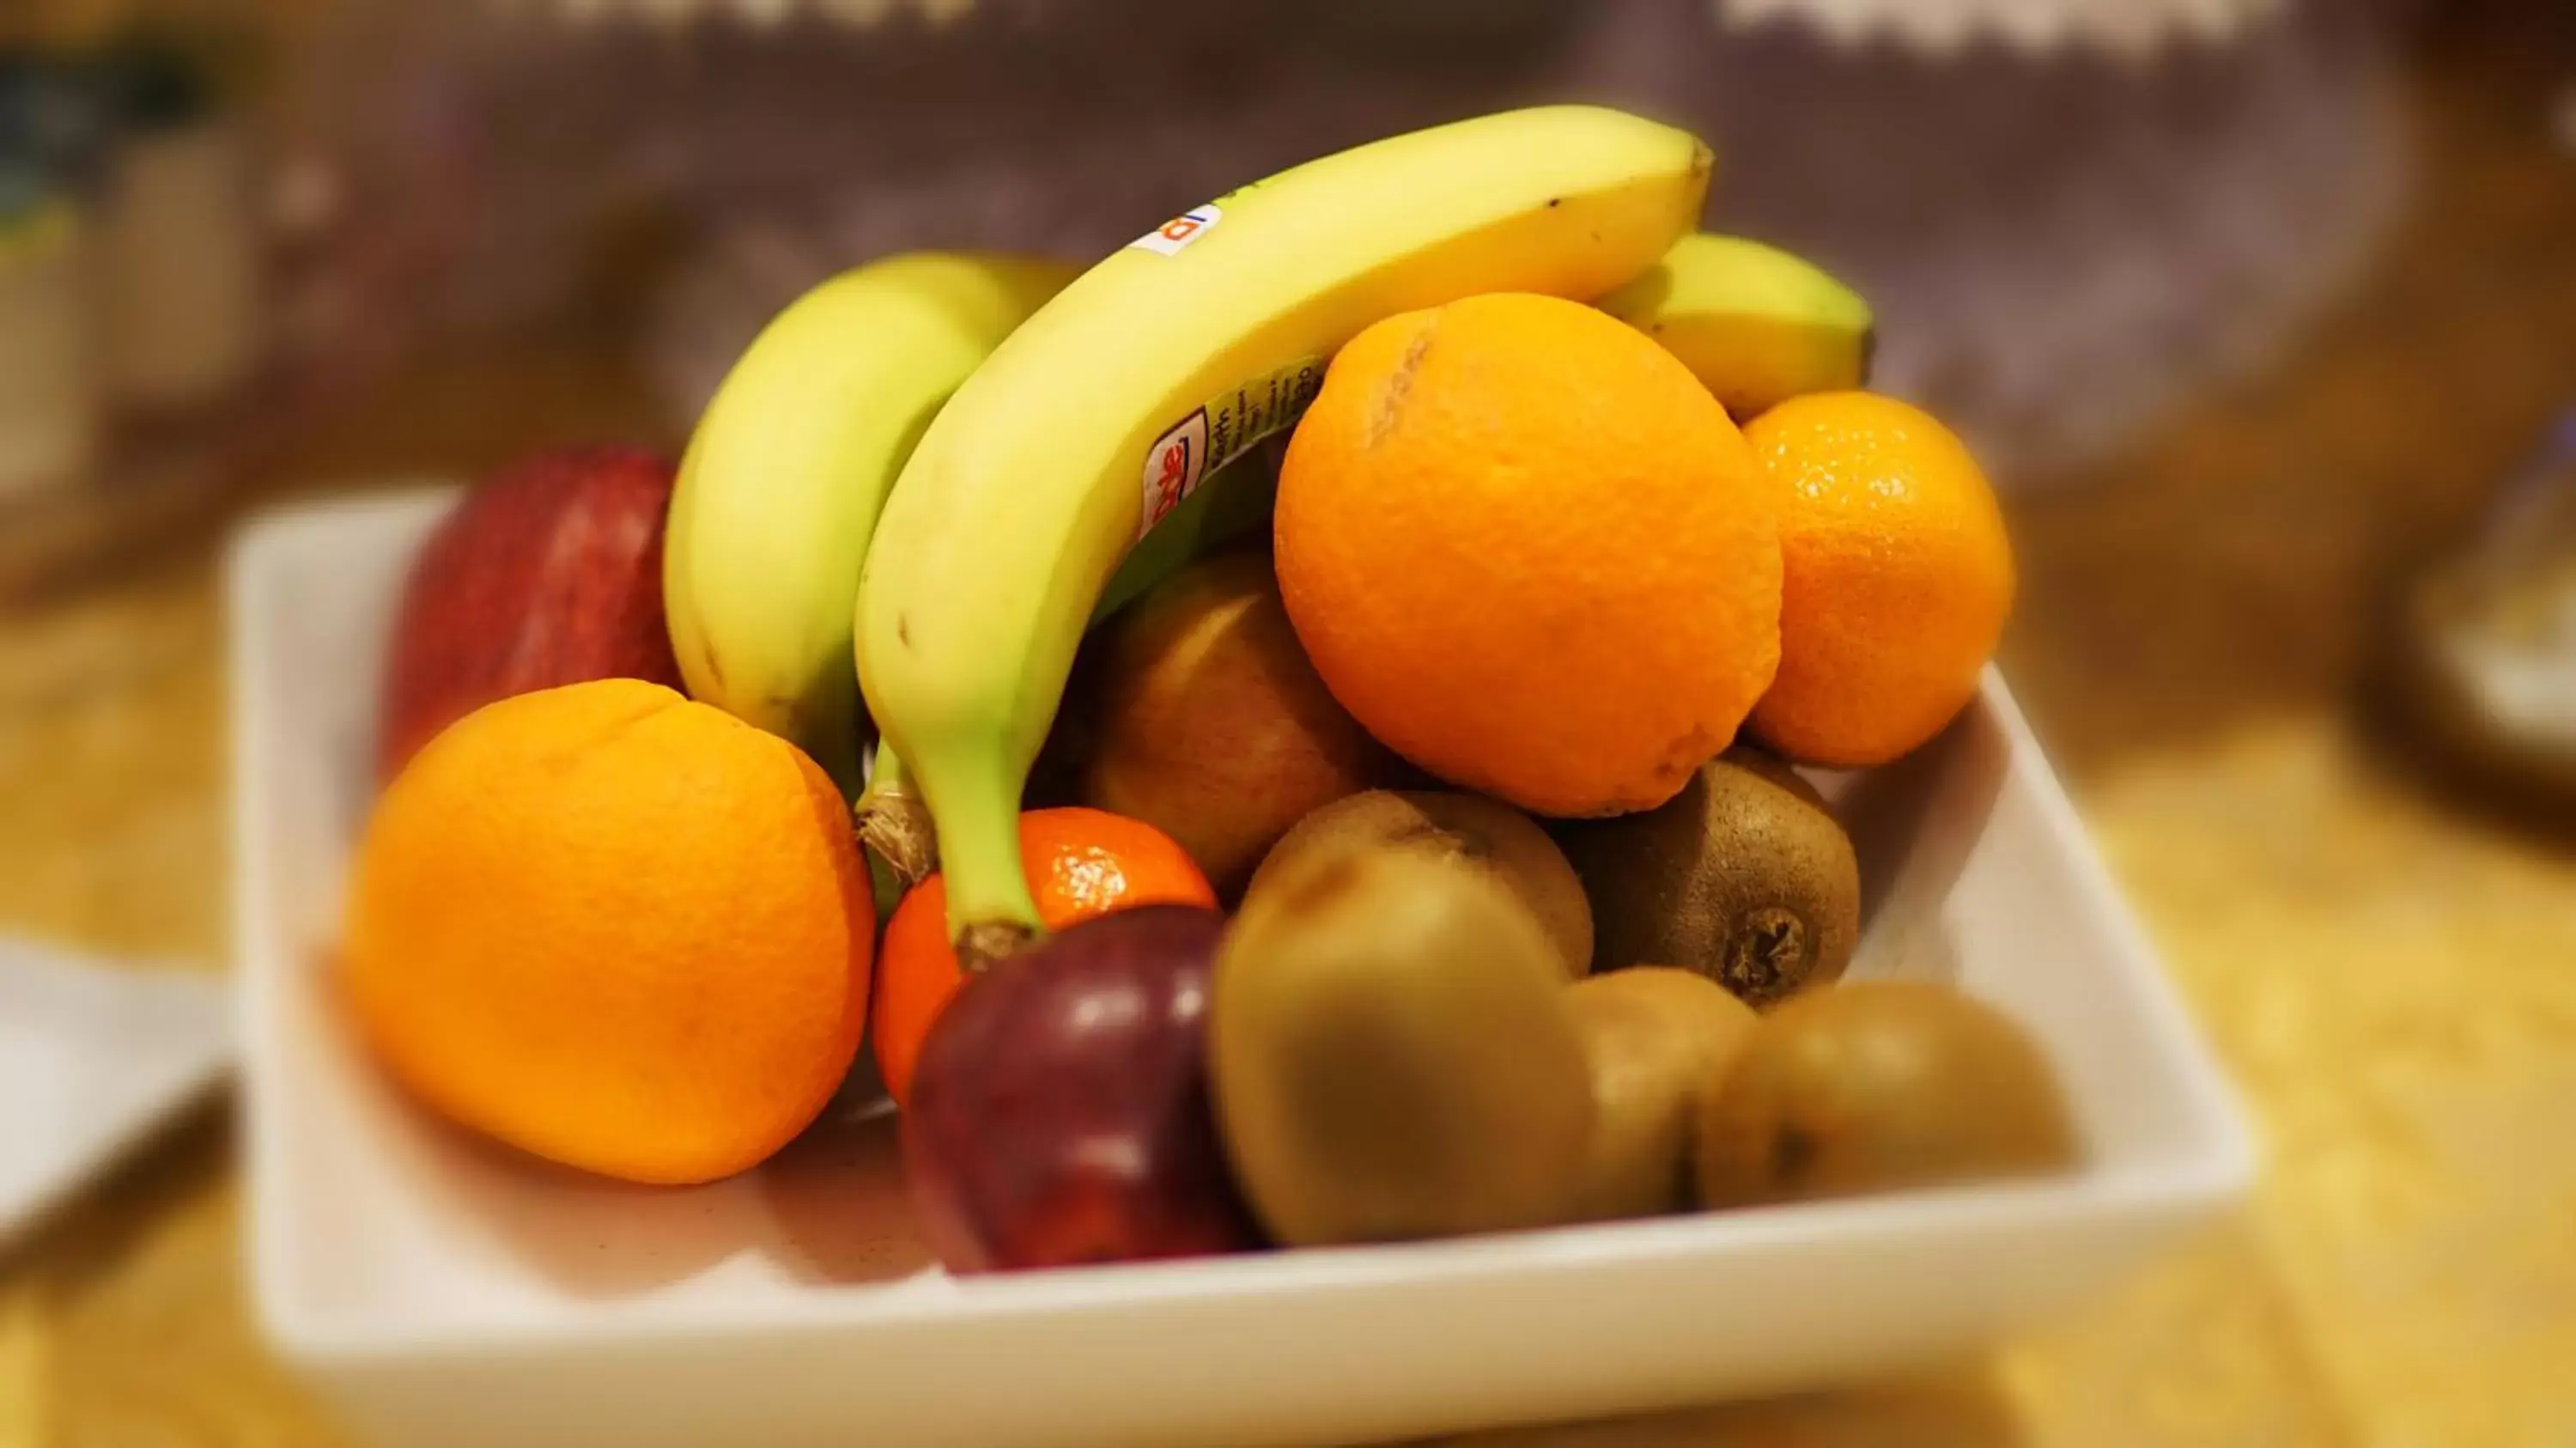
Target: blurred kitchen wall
(2064, 240)
(271, 206)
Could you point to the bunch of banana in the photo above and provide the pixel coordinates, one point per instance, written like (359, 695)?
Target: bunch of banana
(1755, 324)
(781, 487)
(1173, 357)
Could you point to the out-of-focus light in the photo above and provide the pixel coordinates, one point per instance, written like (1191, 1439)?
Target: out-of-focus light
(857, 12)
(2129, 27)
(756, 14)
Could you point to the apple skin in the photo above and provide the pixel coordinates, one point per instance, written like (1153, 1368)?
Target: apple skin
(1060, 1116)
(548, 573)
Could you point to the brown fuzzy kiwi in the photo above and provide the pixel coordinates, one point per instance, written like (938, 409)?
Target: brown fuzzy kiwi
(1656, 1040)
(1878, 1085)
(1391, 1056)
(1743, 876)
(1469, 827)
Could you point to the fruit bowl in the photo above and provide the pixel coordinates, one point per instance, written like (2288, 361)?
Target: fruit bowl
(442, 1291)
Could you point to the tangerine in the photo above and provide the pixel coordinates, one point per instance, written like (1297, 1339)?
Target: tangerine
(1898, 577)
(1080, 863)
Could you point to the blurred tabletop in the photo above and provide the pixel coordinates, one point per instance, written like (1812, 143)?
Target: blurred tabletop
(2391, 980)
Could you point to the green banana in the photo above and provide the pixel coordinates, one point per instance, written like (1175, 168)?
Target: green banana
(1755, 324)
(1161, 364)
(781, 486)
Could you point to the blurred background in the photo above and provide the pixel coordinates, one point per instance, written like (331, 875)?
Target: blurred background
(2262, 312)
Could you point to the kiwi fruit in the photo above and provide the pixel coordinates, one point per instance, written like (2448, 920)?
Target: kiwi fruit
(1743, 876)
(1874, 1086)
(1468, 827)
(1656, 1039)
(1391, 1056)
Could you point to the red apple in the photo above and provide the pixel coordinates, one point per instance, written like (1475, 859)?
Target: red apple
(549, 572)
(1060, 1113)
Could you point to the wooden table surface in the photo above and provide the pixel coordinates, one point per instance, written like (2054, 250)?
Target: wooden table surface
(2392, 983)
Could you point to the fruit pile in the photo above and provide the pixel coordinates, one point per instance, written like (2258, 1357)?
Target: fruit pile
(1480, 703)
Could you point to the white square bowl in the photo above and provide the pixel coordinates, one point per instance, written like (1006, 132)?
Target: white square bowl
(445, 1292)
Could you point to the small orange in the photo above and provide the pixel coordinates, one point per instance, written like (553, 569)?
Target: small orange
(1899, 577)
(614, 928)
(1080, 863)
(1526, 549)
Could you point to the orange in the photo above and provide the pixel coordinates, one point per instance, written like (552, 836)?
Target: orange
(1899, 577)
(614, 928)
(1080, 863)
(1526, 549)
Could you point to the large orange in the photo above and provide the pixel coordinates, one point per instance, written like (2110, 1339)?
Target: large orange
(1899, 577)
(1080, 863)
(615, 928)
(1526, 549)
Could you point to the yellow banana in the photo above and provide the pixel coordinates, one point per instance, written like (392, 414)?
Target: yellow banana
(1755, 324)
(783, 481)
(1161, 364)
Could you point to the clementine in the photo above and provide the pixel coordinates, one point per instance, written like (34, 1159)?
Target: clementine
(1527, 550)
(1080, 863)
(1898, 577)
(614, 928)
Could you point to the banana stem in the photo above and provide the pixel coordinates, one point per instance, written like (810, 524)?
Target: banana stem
(895, 824)
(883, 885)
(830, 735)
(988, 943)
(991, 912)
(842, 764)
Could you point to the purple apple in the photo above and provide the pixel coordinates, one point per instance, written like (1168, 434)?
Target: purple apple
(1060, 1113)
